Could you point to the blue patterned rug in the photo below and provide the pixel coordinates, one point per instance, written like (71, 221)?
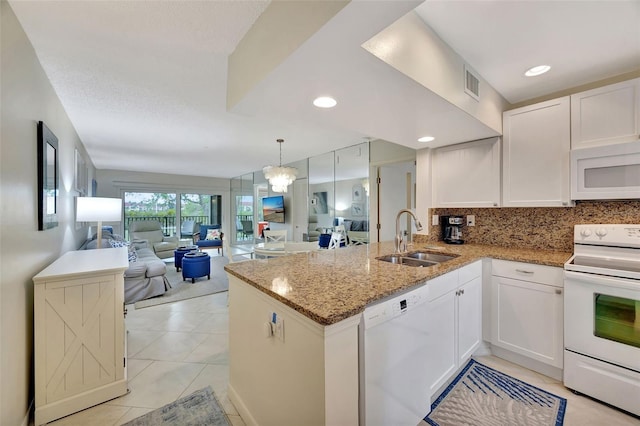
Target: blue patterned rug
(482, 396)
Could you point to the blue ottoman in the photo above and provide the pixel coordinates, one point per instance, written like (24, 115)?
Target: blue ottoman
(179, 253)
(196, 264)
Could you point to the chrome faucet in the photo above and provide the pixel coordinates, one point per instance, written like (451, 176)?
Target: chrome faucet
(398, 241)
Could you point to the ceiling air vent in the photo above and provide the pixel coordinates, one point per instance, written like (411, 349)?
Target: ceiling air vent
(471, 83)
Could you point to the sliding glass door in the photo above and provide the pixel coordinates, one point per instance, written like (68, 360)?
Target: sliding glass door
(204, 209)
(159, 206)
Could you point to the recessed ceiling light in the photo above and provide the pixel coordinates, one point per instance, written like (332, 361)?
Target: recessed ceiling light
(534, 71)
(426, 139)
(325, 102)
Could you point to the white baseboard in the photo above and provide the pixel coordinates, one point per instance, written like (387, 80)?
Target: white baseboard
(244, 412)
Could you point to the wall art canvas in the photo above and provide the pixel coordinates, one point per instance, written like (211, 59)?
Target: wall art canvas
(319, 203)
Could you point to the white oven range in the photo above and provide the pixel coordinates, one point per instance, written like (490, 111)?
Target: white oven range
(602, 315)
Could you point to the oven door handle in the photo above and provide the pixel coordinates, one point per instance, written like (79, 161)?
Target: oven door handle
(595, 279)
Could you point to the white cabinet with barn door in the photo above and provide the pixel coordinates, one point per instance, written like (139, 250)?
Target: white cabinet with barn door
(535, 158)
(527, 313)
(467, 174)
(606, 115)
(455, 322)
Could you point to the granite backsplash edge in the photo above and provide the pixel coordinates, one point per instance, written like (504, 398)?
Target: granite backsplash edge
(538, 228)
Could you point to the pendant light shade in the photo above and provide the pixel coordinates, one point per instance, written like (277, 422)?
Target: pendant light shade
(280, 177)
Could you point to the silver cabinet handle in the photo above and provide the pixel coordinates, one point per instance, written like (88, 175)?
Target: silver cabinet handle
(523, 271)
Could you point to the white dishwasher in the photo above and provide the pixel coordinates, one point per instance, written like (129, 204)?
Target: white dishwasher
(394, 382)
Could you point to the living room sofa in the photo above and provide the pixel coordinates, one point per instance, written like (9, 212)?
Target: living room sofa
(146, 275)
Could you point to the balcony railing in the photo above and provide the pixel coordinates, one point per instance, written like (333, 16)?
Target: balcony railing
(168, 223)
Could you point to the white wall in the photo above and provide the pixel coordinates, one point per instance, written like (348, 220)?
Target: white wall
(27, 97)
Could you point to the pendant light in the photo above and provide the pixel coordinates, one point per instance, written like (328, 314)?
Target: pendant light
(280, 177)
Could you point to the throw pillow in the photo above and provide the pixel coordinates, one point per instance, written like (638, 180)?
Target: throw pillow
(133, 256)
(116, 243)
(213, 234)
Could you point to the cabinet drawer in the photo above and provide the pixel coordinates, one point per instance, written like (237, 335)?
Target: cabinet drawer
(542, 274)
(469, 272)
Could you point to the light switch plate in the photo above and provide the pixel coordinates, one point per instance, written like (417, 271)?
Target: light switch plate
(435, 220)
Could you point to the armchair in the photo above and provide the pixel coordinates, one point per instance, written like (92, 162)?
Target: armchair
(313, 230)
(213, 241)
(190, 229)
(151, 231)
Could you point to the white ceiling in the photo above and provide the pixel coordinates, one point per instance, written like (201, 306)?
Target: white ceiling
(582, 41)
(144, 83)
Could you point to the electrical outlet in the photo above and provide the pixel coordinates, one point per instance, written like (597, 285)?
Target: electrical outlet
(471, 220)
(435, 220)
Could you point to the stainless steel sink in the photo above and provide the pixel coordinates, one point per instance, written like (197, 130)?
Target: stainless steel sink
(417, 259)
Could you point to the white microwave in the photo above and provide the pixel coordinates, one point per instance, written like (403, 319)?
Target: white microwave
(606, 172)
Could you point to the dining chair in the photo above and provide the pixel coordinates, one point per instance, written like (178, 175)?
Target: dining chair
(274, 239)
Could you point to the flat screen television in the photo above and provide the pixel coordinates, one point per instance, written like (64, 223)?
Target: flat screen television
(273, 209)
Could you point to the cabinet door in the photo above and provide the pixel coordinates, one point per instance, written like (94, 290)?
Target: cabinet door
(606, 115)
(469, 298)
(527, 319)
(467, 175)
(441, 340)
(536, 155)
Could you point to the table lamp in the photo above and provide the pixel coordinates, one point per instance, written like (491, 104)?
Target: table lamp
(96, 209)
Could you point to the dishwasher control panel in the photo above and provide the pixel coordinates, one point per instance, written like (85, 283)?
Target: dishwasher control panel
(389, 309)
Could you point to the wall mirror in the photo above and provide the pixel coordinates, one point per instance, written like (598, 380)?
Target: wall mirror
(352, 191)
(47, 178)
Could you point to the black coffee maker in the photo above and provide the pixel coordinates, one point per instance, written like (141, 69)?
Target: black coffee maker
(452, 229)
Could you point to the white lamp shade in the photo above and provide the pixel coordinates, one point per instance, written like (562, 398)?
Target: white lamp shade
(96, 209)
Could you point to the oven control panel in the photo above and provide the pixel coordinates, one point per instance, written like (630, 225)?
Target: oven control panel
(608, 235)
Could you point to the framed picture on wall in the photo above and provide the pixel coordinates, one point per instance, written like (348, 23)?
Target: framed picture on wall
(319, 203)
(47, 178)
(357, 209)
(81, 176)
(357, 193)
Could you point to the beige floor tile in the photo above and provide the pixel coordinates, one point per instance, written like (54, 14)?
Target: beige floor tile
(135, 366)
(216, 376)
(159, 384)
(137, 340)
(172, 346)
(139, 320)
(180, 321)
(213, 350)
(133, 413)
(99, 415)
(214, 323)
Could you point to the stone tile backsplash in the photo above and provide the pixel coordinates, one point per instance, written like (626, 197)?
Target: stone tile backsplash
(544, 228)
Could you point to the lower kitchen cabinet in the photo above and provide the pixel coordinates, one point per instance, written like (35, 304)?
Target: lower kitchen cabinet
(527, 311)
(455, 321)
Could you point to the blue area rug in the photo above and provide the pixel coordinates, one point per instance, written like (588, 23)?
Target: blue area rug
(482, 396)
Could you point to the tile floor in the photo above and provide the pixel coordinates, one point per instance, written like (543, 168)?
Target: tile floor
(175, 349)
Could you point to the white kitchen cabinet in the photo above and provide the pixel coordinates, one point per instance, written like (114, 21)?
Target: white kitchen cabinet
(455, 321)
(467, 174)
(606, 115)
(527, 311)
(536, 148)
(79, 333)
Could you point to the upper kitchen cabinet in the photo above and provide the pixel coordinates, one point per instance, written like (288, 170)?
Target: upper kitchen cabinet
(467, 174)
(536, 155)
(606, 115)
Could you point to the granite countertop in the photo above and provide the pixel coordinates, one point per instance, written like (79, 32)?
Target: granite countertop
(328, 286)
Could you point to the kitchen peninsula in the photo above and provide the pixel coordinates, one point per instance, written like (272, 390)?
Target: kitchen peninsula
(293, 325)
